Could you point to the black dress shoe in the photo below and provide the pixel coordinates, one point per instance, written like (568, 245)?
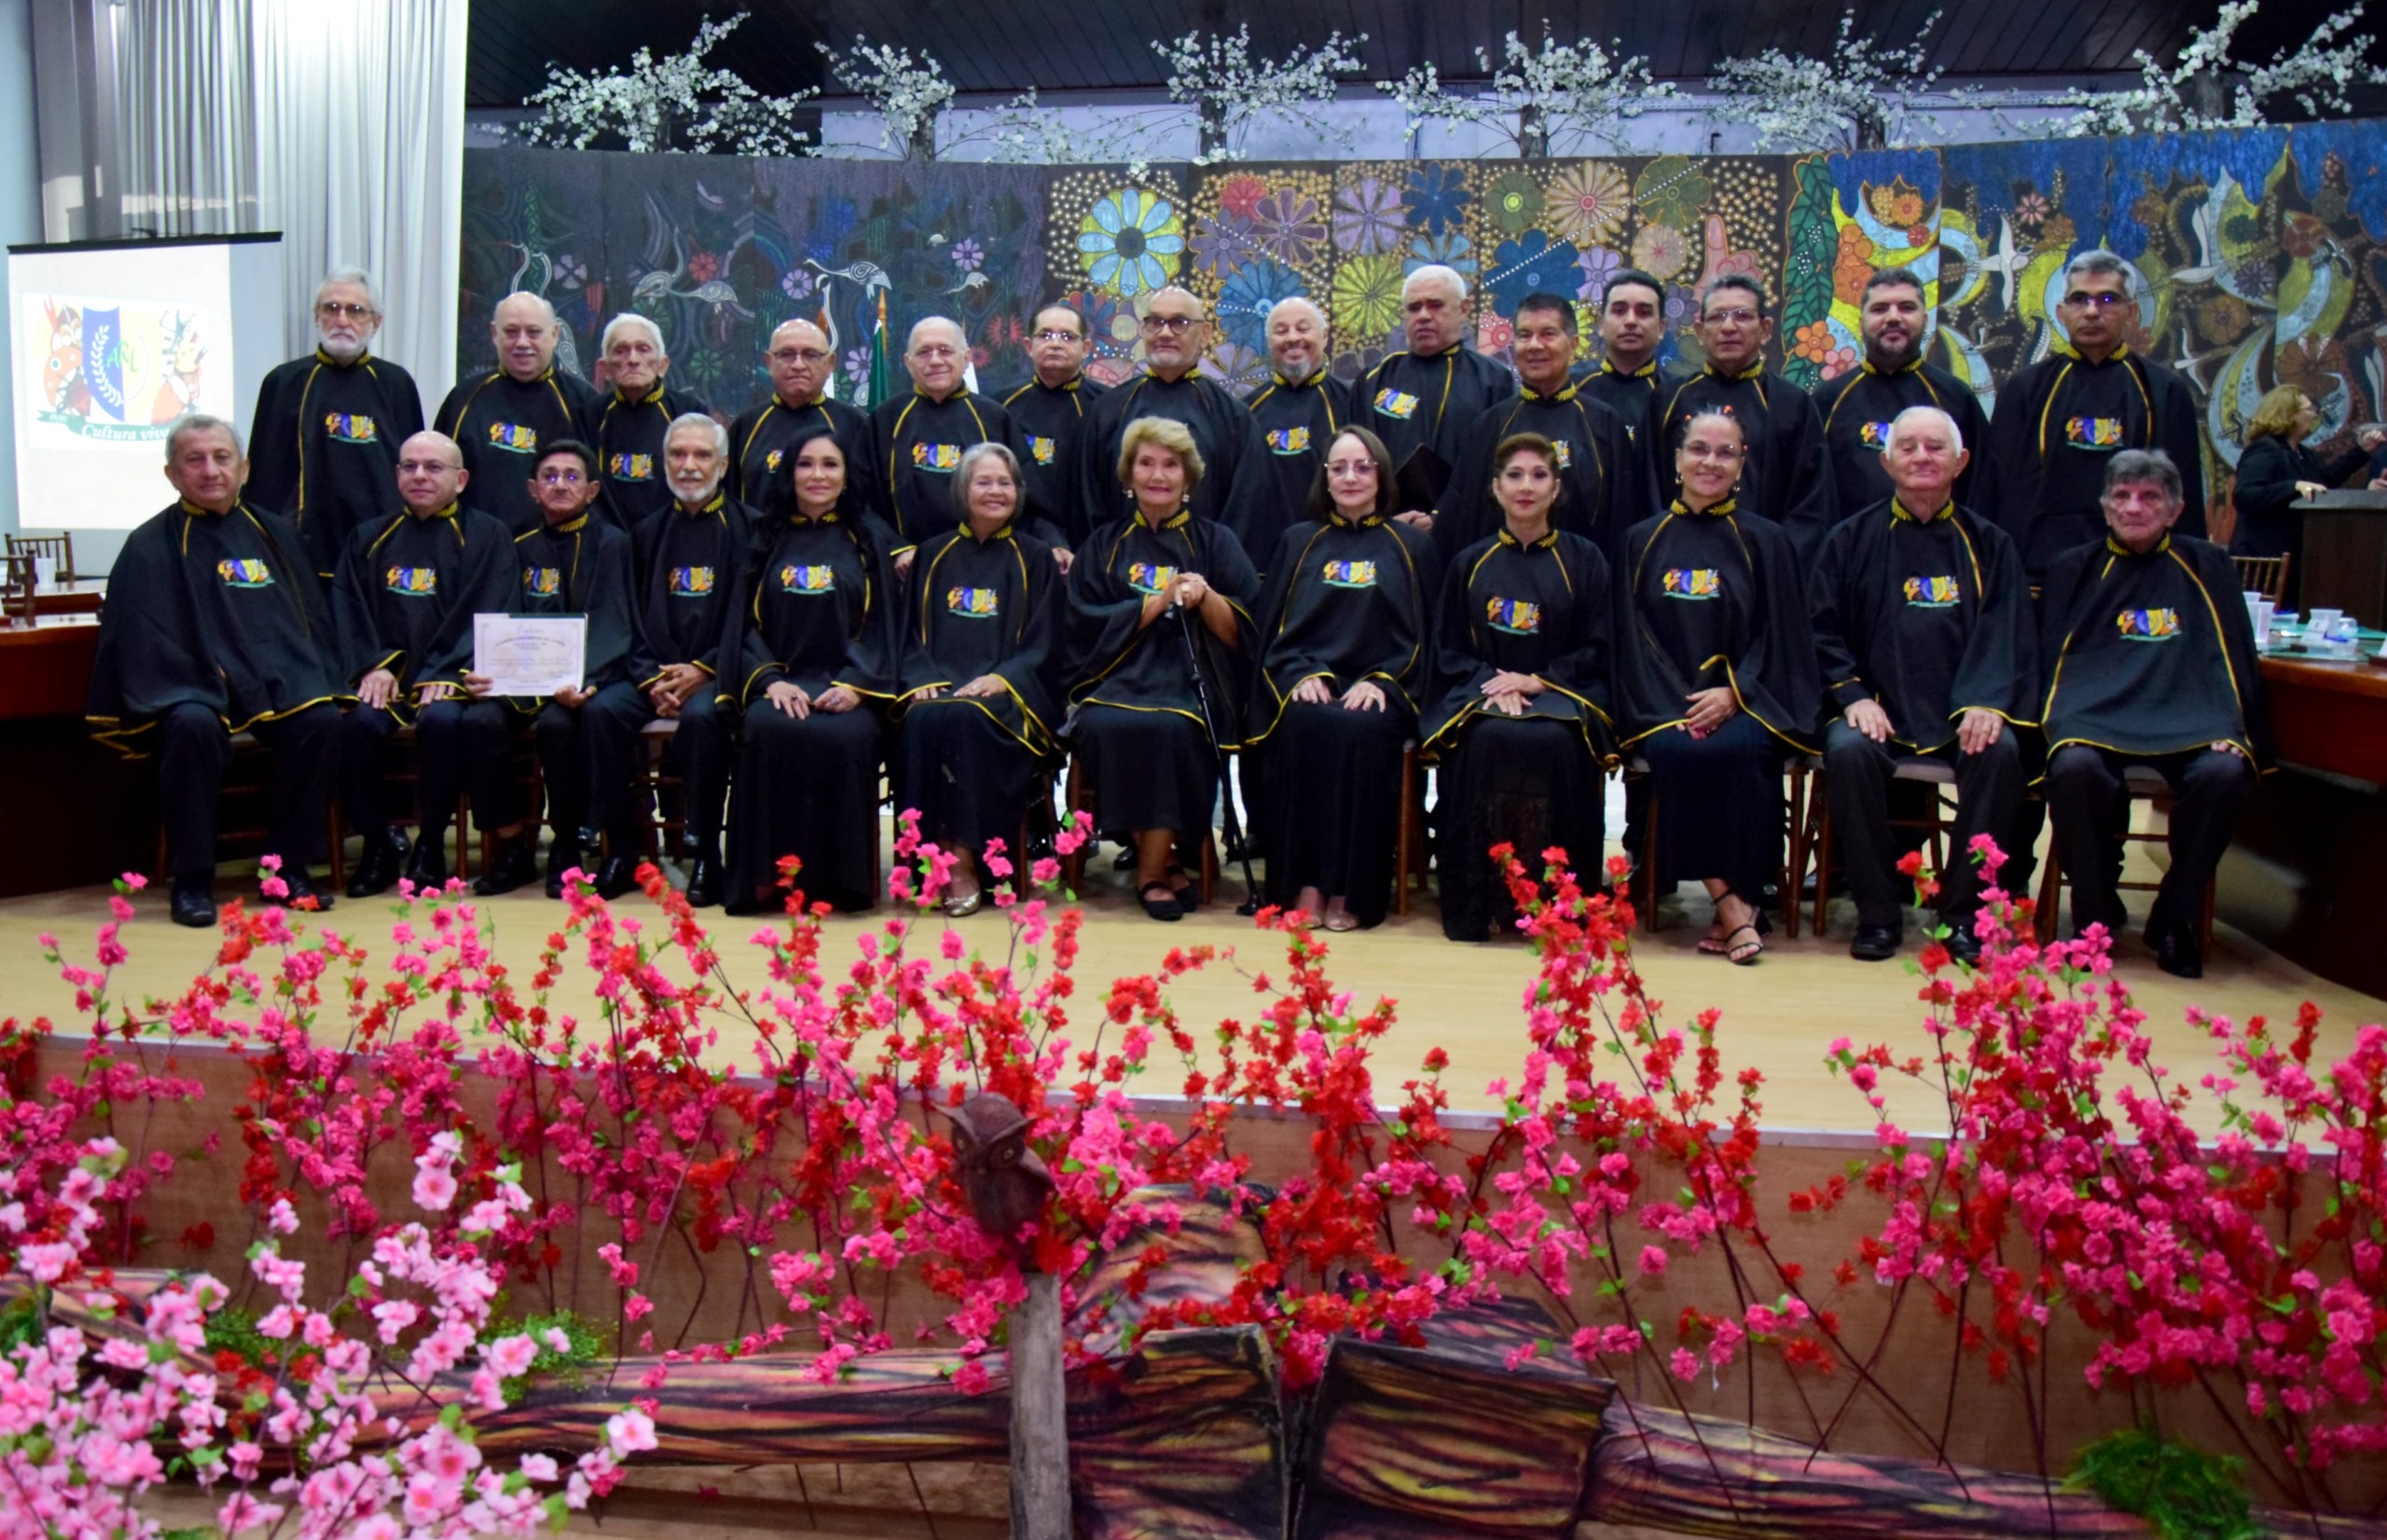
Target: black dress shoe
(1963, 945)
(2176, 953)
(615, 877)
(427, 864)
(194, 902)
(1874, 943)
(517, 866)
(384, 854)
(563, 856)
(303, 890)
(704, 883)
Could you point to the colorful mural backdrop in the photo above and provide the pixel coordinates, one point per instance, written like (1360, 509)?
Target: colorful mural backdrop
(2259, 257)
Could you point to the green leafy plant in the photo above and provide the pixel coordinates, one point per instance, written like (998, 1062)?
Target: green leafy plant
(2181, 1491)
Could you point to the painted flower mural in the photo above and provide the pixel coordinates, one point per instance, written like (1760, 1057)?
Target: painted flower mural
(1452, 250)
(1672, 191)
(1240, 196)
(1367, 296)
(1437, 196)
(1130, 241)
(1531, 263)
(1368, 218)
(1588, 202)
(1661, 250)
(1597, 265)
(1514, 199)
(1288, 227)
(1246, 296)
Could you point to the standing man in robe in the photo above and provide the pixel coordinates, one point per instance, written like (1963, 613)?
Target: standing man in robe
(1858, 407)
(916, 440)
(216, 626)
(2063, 420)
(626, 427)
(1923, 624)
(323, 445)
(1429, 395)
(1599, 465)
(1299, 410)
(2150, 659)
(1786, 477)
(1234, 485)
(1050, 413)
(1628, 381)
(501, 418)
(688, 560)
(800, 363)
(402, 603)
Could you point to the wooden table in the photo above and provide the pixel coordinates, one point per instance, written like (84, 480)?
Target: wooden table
(81, 597)
(77, 813)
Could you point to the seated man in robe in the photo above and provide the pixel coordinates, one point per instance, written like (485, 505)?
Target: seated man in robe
(402, 603)
(215, 626)
(1923, 624)
(2150, 659)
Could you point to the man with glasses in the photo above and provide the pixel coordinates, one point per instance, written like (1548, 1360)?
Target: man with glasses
(1860, 406)
(323, 445)
(1784, 475)
(1299, 410)
(800, 364)
(1233, 489)
(1050, 413)
(502, 418)
(626, 428)
(2061, 421)
(916, 440)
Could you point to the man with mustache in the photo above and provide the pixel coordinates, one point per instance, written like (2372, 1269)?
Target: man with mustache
(1050, 413)
(1628, 381)
(502, 420)
(1299, 411)
(1429, 395)
(800, 365)
(1234, 487)
(1858, 407)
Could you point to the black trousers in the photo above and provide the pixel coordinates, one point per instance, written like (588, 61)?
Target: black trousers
(2090, 807)
(457, 743)
(193, 749)
(701, 745)
(1989, 801)
(562, 735)
(1718, 805)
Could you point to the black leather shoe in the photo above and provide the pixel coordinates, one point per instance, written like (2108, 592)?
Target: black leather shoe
(304, 891)
(427, 864)
(194, 902)
(704, 882)
(1963, 945)
(2176, 953)
(1874, 943)
(517, 866)
(384, 854)
(615, 877)
(563, 856)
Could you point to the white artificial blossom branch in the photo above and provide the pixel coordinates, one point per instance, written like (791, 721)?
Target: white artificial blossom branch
(1539, 101)
(675, 103)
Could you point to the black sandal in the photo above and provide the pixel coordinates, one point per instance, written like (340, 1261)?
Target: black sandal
(1164, 908)
(1744, 953)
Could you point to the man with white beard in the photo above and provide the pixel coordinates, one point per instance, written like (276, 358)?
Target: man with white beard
(1300, 411)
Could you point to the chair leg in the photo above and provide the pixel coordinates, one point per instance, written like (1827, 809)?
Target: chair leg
(1403, 847)
(2050, 896)
(1794, 850)
(1818, 795)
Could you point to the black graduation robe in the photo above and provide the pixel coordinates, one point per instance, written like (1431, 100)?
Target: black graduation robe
(499, 422)
(323, 446)
(2150, 653)
(2059, 420)
(1638, 396)
(763, 436)
(581, 567)
(1234, 484)
(989, 605)
(406, 592)
(1114, 662)
(1857, 410)
(1542, 608)
(1785, 477)
(1298, 422)
(915, 446)
(1051, 423)
(1926, 619)
(1346, 602)
(687, 563)
(1410, 399)
(1713, 599)
(1598, 464)
(215, 610)
(627, 436)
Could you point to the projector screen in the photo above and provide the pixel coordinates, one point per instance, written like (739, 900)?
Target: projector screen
(114, 339)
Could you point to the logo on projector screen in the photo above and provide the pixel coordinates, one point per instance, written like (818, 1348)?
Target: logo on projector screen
(117, 372)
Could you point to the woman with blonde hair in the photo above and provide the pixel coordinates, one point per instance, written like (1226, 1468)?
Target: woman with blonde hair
(2276, 471)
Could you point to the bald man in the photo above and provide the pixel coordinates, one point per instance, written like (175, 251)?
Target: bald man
(916, 440)
(1233, 488)
(800, 364)
(403, 602)
(1299, 410)
(1050, 413)
(1429, 395)
(625, 425)
(502, 420)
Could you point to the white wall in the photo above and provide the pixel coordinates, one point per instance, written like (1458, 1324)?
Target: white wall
(19, 206)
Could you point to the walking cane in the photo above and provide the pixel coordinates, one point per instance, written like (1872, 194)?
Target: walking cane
(1250, 904)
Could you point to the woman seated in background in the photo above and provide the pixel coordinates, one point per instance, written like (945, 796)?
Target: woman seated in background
(980, 627)
(1149, 594)
(1345, 621)
(2276, 471)
(1522, 723)
(810, 642)
(1716, 681)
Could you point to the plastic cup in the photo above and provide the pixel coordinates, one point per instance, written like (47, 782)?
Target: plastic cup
(2259, 610)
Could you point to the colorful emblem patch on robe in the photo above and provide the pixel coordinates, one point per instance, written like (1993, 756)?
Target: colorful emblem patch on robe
(1566, 453)
(630, 467)
(936, 457)
(1874, 435)
(974, 603)
(2148, 625)
(808, 579)
(2094, 433)
(1146, 578)
(514, 437)
(1041, 450)
(1933, 593)
(772, 461)
(244, 573)
(1350, 574)
(691, 582)
(542, 582)
(1396, 404)
(413, 582)
(350, 428)
(1519, 617)
(1693, 583)
(1288, 441)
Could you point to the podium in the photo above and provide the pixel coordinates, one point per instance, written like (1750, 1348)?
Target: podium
(2345, 554)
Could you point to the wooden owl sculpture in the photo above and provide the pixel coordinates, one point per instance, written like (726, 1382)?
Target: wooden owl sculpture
(1006, 1181)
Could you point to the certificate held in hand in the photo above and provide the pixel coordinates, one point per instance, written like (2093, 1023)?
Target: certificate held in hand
(531, 656)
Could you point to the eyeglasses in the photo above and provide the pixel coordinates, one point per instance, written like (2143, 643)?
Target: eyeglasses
(1733, 318)
(798, 355)
(554, 478)
(1351, 468)
(2105, 300)
(932, 349)
(334, 309)
(1175, 326)
(1726, 452)
(421, 467)
(1058, 334)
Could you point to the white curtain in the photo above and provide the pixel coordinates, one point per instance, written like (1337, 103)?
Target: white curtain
(339, 123)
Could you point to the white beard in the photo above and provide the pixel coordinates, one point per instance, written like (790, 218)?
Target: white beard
(342, 351)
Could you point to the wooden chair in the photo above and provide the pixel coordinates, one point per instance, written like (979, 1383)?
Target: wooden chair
(248, 789)
(59, 548)
(1412, 852)
(2264, 575)
(1645, 880)
(18, 604)
(2144, 785)
(1203, 858)
(1814, 845)
(666, 814)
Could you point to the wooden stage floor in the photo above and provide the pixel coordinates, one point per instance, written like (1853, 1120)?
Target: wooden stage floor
(1778, 1015)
